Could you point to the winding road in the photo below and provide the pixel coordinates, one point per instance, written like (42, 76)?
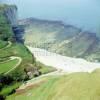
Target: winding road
(19, 62)
(9, 44)
(11, 58)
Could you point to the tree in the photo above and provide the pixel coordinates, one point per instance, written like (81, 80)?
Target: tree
(2, 97)
(6, 80)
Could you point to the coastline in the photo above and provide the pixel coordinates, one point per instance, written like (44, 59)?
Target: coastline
(64, 63)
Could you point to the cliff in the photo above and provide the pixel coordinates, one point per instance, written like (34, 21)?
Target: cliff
(61, 38)
(11, 14)
(10, 27)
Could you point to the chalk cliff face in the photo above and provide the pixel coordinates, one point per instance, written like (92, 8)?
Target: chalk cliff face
(11, 14)
(61, 38)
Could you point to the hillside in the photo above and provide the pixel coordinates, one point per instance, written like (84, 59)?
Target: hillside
(58, 37)
(16, 61)
(9, 46)
(75, 79)
(26, 44)
(76, 86)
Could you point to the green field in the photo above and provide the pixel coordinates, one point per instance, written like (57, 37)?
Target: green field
(44, 68)
(6, 66)
(76, 86)
(2, 44)
(8, 89)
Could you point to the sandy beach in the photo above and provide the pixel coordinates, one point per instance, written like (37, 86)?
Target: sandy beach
(66, 64)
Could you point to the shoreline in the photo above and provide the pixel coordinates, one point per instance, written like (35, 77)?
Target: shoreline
(64, 63)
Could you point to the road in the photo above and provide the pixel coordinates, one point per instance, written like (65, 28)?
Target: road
(19, 62)
(9, 44)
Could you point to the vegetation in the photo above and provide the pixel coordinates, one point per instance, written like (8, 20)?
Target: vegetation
(5, 28)
(2, 44)
(6, 66)
(7, 90)
(76, 86)
(9, 47)
(44, 69)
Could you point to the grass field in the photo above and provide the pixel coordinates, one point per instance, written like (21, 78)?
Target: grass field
(8, 89)
(19, 50)
(44, 68)
(2, 44)
(6, 66)
(76, 86)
